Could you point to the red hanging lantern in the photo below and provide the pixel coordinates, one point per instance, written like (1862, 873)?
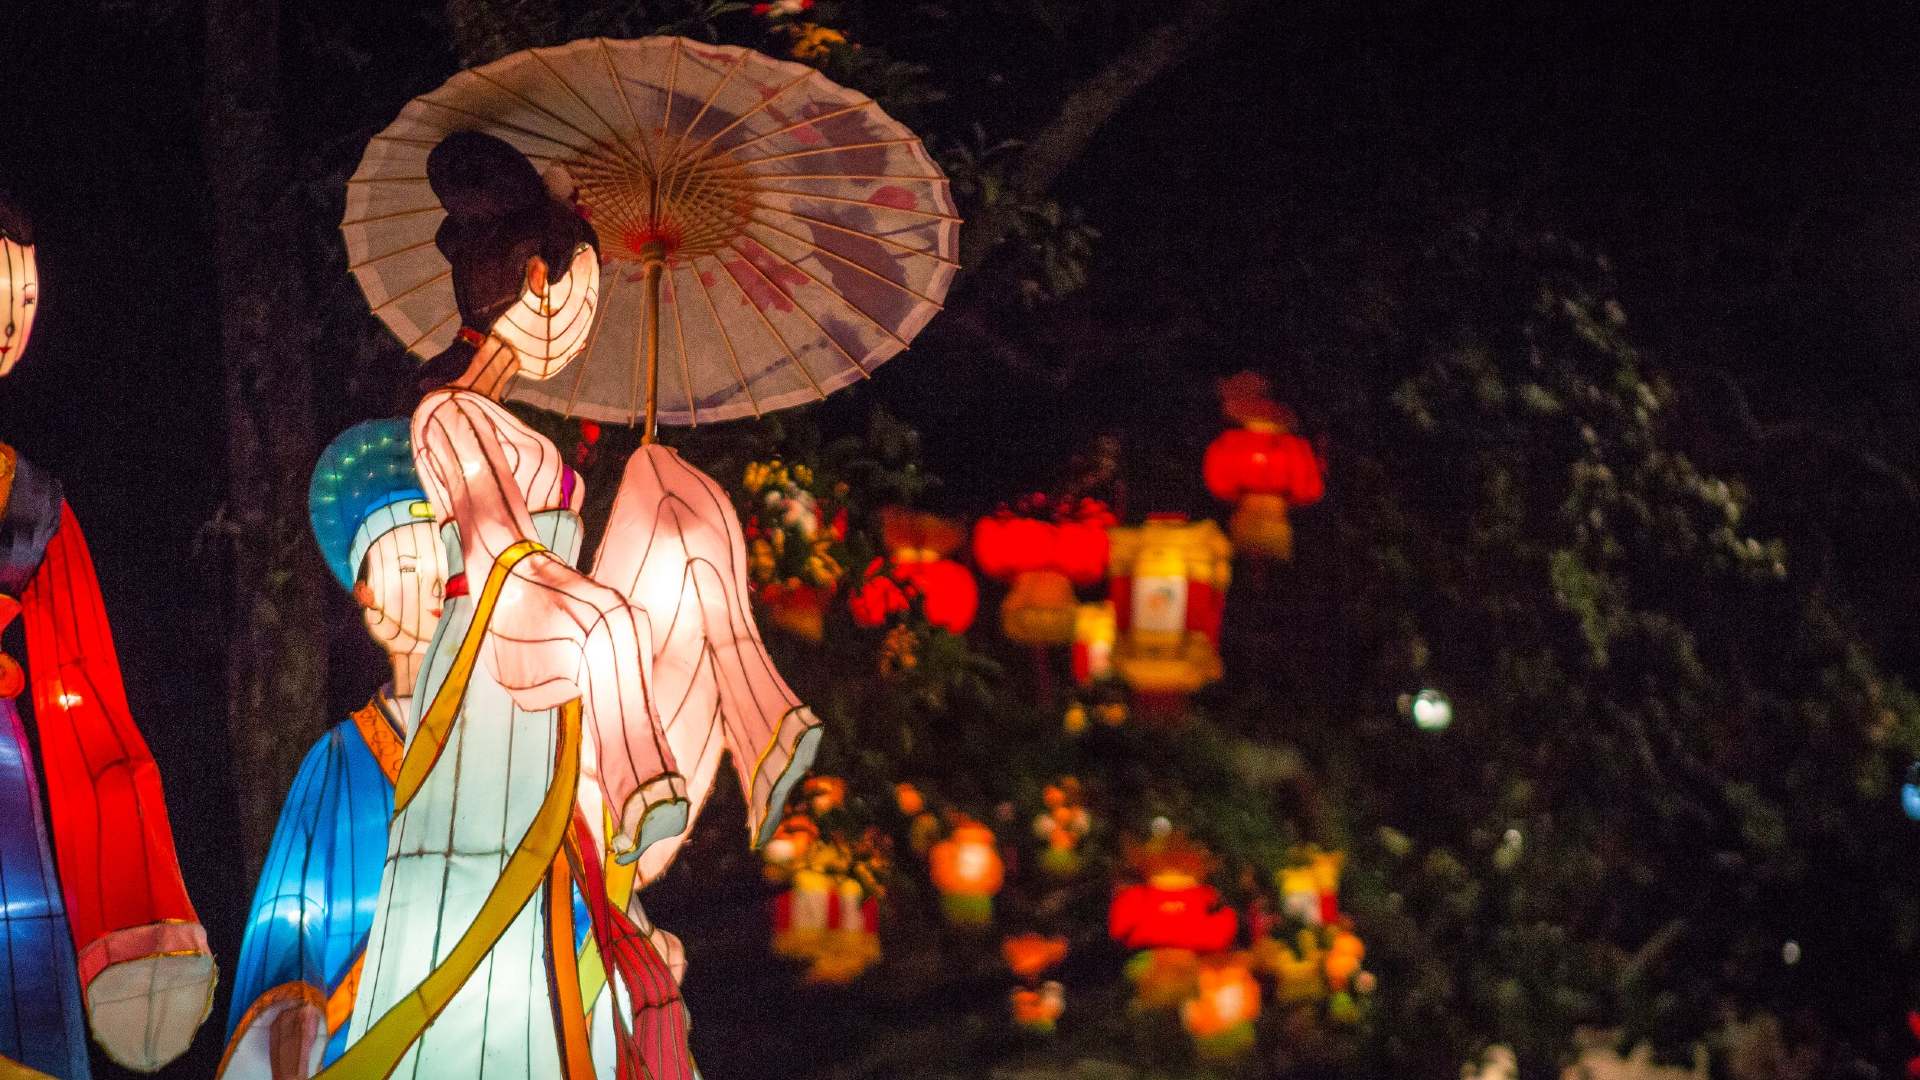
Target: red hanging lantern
(1261, 467)
(1172, 908)
(919, 545)
(1045, 550)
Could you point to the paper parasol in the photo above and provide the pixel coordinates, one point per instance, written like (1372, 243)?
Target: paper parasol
(767, 237)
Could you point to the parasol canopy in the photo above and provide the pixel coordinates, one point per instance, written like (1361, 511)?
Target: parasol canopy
(767, 236)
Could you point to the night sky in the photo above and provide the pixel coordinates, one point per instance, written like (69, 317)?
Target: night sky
(1754, 177)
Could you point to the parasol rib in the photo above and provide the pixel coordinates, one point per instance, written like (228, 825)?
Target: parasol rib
(680, 341)
(732, 354)
(680, 146)
(700, 152)
(835, 293)
(747, 299)
(436, 208)
(633, 121)
(632, 154)
(409, 291)
(791, 154)
(800, 307)
(480, 74)
(934, 214)
(495, 122)
(436, 328)
(807, 121)
(881, 237)
(867, 270)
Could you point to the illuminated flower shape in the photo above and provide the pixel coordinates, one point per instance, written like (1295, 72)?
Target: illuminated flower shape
(1038, 1010)
(1226, 1002)
(1033, 955)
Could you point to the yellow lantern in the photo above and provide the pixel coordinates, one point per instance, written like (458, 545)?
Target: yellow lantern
(1094, 631)
(1168, 587)
(968, 871)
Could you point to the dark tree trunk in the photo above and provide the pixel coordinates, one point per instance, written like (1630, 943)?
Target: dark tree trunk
(276, 670)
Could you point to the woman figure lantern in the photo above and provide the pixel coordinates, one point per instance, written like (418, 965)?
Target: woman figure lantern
(307, 933)
(106, 930)
(540, 757)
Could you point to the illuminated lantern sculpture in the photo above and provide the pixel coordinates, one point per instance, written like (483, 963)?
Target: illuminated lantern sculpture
(1045, 551)
(306, 935)
(918, 567)
(553, 737)
(1262, 468)
(1094, 632)
(1037, 1005)
(967, 869)
(1172, 908)
(1169, 585)
(1225, 1004)
(104, 937)
(570, 716)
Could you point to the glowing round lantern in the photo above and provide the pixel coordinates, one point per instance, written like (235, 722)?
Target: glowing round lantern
(1168, 587)
(967, 869)
(1045, 550)
(1262, 469)
(1430, 710)
(919, 545)
(1910, 792)
(1220, 1016)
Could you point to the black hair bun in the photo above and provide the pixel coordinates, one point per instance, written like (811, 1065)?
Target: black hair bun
(476, 175)
(15, 225)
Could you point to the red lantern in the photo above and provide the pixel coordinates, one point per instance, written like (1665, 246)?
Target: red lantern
(1172, 908)
(1261, 467)
(1045, 550)
(920, 544)
(1168, 915)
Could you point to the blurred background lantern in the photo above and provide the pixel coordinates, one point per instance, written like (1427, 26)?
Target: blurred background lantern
(828, 914)
(795, 540)
(1038, 1009)
(1045, 549)
(1430, 710)
(1171, 907)
(1910, 792)
(1093, 636)
(1061, 827)
(1168, 587)
(1225, 1004)
(967, 869)
(1261, 467)
(919, 546)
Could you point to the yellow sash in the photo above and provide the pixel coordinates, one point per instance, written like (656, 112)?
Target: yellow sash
(378, 1052)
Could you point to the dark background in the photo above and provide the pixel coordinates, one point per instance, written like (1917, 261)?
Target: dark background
(1754, 177)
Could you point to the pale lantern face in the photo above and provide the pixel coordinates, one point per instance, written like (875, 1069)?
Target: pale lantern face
(20, 291)
(405, 582)
(549, 331)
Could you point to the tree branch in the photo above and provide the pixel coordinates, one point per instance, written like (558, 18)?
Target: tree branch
(1061, 142)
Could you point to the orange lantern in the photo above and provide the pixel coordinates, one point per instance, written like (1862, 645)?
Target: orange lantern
(919, 545)
(967, 869)
(1032, 955)
(1221, 1014)
(1038, 1010)
(1168, 585)
(1045, 550)
(1262, 468)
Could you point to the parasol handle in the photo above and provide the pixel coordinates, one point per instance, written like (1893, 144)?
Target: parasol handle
(655, 255)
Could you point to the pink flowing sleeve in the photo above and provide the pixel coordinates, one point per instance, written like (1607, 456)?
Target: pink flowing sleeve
(556, 634)
(675, 547)
(144, 964)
